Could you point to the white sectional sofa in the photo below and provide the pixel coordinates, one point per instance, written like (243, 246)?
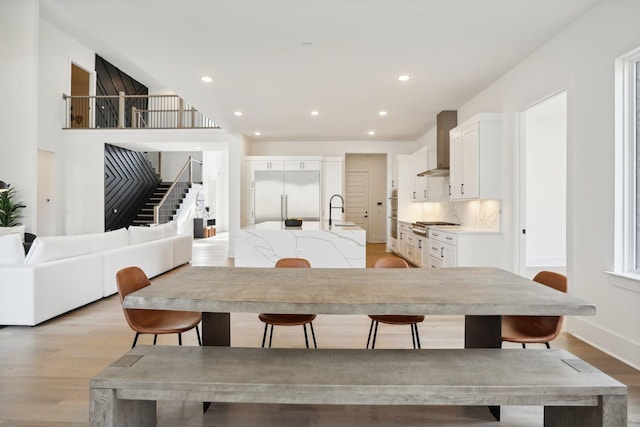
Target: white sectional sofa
(61, 273)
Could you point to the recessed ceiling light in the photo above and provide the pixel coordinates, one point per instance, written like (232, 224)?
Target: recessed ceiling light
(238, 113)
(372, 132)
(206, 79)
(257, 133)
(382, 113)
(404, 77)
(315, 113)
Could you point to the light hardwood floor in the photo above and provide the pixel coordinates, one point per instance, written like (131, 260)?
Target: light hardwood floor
(45, 370)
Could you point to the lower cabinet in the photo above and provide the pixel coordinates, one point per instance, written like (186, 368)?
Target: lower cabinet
(481, 249)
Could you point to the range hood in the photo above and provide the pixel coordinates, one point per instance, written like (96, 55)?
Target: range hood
(446, 120)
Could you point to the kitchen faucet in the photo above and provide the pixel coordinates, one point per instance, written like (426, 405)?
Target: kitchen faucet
(337, 207)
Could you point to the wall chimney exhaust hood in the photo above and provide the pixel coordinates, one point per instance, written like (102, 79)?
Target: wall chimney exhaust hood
(446, 120)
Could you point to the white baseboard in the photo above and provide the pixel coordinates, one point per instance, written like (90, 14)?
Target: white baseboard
(611, 343)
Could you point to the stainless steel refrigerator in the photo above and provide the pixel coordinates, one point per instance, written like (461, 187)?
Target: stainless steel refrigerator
(286, 194)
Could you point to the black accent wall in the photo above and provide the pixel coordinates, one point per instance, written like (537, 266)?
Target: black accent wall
(129, 180)
(110, 80)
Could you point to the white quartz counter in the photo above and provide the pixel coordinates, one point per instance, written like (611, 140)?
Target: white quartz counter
(323, 245)
(457, 229)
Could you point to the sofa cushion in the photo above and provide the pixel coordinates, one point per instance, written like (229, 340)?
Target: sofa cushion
(101, 242)
(18, 229)
(11, 249)
(144, 234)
(58, 247)
(170, 229)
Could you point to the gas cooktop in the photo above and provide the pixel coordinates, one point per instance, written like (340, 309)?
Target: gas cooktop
(427, 223)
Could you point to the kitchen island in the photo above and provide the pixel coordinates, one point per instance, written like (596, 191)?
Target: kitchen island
(341, 245)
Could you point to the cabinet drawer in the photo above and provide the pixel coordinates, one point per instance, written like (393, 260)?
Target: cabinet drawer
(435, 249)
(436, 262)
(443, 236)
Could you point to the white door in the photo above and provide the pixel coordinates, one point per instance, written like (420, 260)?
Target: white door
(357, 199)
(543, 186)
(46, 225)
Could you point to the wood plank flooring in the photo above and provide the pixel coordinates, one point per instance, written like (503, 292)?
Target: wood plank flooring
(45, 370)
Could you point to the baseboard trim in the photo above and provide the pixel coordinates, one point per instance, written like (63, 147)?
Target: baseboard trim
(605, 340)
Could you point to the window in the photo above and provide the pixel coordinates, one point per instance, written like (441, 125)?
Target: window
(627, 124)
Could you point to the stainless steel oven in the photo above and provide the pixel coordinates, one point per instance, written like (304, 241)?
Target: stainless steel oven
(393, 213)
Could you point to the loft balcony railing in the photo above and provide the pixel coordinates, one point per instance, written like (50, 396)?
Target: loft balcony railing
(132, 111)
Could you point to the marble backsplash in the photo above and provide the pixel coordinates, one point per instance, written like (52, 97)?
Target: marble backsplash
(475, 214)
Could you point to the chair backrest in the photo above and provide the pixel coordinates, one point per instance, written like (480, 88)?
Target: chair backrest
(293, 263)
(131, 279)
(550, 324)
(390, 262)
(556, 281)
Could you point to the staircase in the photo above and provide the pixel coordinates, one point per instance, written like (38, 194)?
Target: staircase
(170, 207)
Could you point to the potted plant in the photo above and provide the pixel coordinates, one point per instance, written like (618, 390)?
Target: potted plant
(10, 210)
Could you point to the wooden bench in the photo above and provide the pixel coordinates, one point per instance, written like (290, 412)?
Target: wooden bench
(572, 392)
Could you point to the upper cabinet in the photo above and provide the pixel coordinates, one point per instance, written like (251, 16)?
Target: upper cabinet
(313, 165)
(426, 188)
(475, 158)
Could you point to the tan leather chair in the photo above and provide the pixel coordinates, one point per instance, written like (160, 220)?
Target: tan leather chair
(536, 329)
(411, 320)
(289, 319)
(142, 321)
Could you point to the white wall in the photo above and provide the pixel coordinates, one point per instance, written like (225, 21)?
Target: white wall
(19, 109)
(172, 162)
(580, 59)
(216, 183)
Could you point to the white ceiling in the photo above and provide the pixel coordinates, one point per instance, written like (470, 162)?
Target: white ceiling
(277, 60)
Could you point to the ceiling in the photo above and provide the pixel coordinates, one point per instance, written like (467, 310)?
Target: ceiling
(276, 61)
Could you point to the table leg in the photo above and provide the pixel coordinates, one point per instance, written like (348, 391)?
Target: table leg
(610, 412)
(484, 332)
(216, 331)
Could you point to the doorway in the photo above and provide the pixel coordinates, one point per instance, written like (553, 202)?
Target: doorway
(543, 202)
(366, 194)
(80, 107)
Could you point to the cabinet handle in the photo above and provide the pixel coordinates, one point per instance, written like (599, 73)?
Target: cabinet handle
(414, 194)
(461, 188)
(425, 194)
(448, 238)
(301, 165)
(449, 190)
(441, 252)
(419, 244)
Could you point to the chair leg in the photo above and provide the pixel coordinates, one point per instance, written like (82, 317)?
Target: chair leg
(415, 325)
(547, 344)
(306, 339)
(198, 335)
(135, 339)
(313, 335)
(179, 339)
(375, 334)
(264, 335)
(370, 330)
(413, 336)
(524, 345)
(270, 336)
(155, 339)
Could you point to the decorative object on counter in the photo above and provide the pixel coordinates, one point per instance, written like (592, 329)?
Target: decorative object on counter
(289, 319)
(10, 210)
(293, 222)
(536, 329)
(394, 262)
(3, 186)
(131, 279)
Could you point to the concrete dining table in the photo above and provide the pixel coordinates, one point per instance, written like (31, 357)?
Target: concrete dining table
(481, 294)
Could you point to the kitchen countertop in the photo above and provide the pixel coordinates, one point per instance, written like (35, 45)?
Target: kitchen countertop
(458, 229)
(306, 226)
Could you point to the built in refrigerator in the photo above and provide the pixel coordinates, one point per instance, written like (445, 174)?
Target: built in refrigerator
(282, 194)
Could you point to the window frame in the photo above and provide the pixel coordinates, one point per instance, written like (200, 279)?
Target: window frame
(627, 194)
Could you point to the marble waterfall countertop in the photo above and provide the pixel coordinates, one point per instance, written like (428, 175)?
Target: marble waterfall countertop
(324, 245)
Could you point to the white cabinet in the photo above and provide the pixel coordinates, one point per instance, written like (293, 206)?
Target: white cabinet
(419, 163)
(291, 165)
(465, 249)
(268, 164)
(475, 158)
(332, 173)
(421, 255)
(404, 231)
(443, 250)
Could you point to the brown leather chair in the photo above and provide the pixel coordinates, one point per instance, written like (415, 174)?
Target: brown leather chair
(411, 320)
(289, 319)
(142, 321)
(536, 329)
